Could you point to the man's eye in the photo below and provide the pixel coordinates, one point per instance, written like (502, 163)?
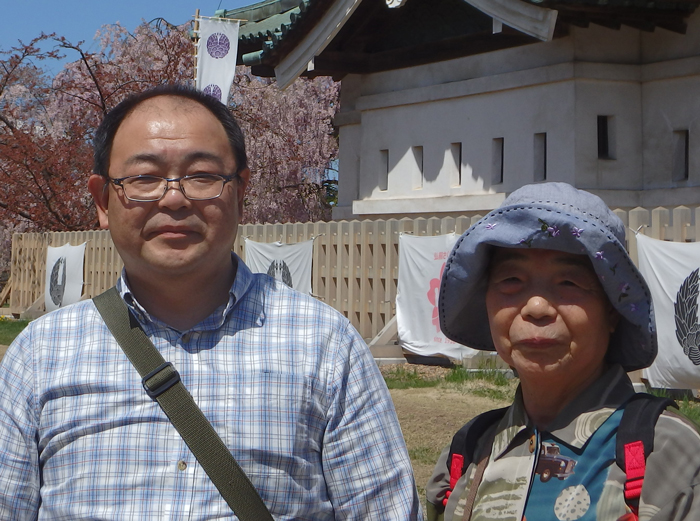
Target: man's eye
(145, 182)
(202, 179)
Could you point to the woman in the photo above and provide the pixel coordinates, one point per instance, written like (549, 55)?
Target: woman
(545, 280)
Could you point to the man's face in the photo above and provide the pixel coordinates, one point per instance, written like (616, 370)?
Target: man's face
(549, 317)
(171, 137)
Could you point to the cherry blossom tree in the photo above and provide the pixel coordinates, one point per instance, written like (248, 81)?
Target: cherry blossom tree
(47, 123)
(291, 146)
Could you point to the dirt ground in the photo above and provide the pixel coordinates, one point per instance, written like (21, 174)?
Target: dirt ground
(429, 417)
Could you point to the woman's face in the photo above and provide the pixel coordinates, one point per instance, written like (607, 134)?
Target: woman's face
(550, 318)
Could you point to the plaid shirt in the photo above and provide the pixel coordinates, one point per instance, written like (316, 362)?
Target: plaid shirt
(286, 382)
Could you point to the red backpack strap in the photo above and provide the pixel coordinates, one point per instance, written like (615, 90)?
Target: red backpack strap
(635, 466)
(635, 442)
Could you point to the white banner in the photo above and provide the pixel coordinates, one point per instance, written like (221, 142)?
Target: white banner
(671, 270)
(421, 263)
(290, 263)
(216, 57)
(64, 275)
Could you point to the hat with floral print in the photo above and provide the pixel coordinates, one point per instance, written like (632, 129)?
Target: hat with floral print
(550, 216)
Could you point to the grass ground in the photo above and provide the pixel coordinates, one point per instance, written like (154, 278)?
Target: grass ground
(9, 329)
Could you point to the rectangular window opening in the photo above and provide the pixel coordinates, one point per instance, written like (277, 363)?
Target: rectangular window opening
(681, 140)
(420, 176)
(497, 161)
(456, 156)
(383, 170)
(606, 137)
(540, 157)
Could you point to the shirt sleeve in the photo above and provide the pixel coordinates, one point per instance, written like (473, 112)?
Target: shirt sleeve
(671, 490)
(19, 460)
(365, 461)
(437, 487)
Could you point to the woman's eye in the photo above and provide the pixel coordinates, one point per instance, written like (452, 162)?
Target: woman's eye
(508, 284)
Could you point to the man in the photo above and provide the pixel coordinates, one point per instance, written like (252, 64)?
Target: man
(285, 380)
(545, 280)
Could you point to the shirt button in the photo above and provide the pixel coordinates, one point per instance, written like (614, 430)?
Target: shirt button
(533, 442)
(181, 465)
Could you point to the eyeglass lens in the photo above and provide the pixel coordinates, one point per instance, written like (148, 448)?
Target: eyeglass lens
(152, 188)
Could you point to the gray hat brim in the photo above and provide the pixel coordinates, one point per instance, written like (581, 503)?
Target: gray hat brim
(552, 225)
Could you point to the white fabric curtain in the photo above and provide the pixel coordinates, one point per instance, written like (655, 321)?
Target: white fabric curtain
(671, 270)
(421, 263)
(290, 263)
(64, 275)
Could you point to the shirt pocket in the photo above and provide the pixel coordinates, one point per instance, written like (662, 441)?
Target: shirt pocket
(272, 424)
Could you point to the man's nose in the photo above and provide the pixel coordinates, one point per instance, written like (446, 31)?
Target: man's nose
(174, 198)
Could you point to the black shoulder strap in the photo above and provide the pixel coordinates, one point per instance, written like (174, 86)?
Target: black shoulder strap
(464, 442)
(635, 442)
(639, 422)
(161, 382)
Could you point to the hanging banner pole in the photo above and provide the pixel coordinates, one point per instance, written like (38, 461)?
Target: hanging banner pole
(195, 40)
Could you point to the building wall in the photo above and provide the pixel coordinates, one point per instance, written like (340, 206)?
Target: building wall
(394, 122)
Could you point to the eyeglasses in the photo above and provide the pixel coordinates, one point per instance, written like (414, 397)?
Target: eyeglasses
(149, 188)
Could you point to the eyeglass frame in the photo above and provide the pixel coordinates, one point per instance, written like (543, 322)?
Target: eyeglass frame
(119, 181)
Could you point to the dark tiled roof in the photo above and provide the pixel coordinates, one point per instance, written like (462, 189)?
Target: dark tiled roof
(378, 38)
(268, 23)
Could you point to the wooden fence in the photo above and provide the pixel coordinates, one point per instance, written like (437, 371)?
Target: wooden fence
(355, 263)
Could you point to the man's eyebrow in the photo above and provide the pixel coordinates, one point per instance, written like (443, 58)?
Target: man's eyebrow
(157, 159)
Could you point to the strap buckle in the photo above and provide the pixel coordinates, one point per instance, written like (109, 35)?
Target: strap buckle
(162, 384)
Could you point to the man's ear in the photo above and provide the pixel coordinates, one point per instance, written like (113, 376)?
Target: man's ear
(99, 188)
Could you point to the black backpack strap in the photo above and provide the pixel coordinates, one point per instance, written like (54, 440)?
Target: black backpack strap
(464, 444)
(635, 441)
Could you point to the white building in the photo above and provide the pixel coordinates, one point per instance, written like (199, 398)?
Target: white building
(446, 109)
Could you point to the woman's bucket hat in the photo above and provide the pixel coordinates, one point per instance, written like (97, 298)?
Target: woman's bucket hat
(550, 216)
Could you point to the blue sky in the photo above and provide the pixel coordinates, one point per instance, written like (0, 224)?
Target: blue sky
(80, 19)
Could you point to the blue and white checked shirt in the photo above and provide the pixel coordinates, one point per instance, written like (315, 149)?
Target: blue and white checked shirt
(286, 381)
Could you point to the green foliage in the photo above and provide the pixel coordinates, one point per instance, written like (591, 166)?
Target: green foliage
(401, 378)
(9, 329)
(688, 407)
(488, 383)
(462, 375)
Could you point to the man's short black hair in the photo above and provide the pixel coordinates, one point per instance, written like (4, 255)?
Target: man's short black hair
(104, 136)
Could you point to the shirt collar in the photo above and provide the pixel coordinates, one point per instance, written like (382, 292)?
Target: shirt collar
(241, 285)
(578, 421)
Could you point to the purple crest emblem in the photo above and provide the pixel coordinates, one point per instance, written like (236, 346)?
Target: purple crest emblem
(213, 90)
(218, 45)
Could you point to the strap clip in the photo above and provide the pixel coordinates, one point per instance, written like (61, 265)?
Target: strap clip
(162, 384)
